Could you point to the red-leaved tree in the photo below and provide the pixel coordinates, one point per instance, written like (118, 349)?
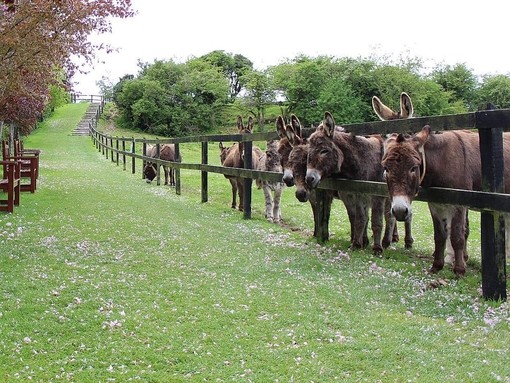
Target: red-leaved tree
(38, 39)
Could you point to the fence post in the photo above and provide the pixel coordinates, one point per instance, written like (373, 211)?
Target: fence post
(204, 174)
(248, 147)
(144, 153)
(158, 165)
(492, 223)
(123, 153)
(117, 151)
(177, 171)
(133, 159)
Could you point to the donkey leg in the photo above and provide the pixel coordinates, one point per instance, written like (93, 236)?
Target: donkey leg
(408, 240)
(172, 176)
(165, 170)
(458, 239)
(233, 183)
(390, 228)
(350, 205)
(277, 211)
(441, 219)
(269, 201)
(377, 223)
(240, 191)
(360, 224)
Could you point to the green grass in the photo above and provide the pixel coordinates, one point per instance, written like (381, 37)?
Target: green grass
(105, 278)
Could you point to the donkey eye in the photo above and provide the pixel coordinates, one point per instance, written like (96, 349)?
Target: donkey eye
(324, 152)
(414, 169)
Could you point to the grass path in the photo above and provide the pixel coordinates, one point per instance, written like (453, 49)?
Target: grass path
(107, 279)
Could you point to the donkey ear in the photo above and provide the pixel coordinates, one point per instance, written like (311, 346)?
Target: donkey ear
(280, 127)
(240, 126)
(250, 124)
(406, 106)
(296, 124)
(328, 124)
(383, 112)
(291, 135)
(422, 136)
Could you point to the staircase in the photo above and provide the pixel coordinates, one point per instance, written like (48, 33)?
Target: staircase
(83, 126)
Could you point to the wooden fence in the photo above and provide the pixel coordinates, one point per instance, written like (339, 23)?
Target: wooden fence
(92, 98)
(491, 202)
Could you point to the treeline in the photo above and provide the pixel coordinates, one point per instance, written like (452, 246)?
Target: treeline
(203, 94)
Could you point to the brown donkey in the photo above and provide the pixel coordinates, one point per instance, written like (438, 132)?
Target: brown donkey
(385, 113)
(167, 153)
(419, 160)
(233, 157)
(333, 152)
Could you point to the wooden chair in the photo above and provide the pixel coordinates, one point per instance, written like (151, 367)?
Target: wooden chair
(19, 150)
(10, 183)
(28, 168)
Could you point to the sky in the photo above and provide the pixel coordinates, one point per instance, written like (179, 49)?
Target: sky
(268, 32)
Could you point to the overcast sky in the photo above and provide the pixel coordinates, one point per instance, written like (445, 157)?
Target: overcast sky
(270, 31)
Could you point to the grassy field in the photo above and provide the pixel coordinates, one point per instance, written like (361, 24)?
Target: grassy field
(105, 278)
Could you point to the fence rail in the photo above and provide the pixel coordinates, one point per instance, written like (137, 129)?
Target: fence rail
(489, 123)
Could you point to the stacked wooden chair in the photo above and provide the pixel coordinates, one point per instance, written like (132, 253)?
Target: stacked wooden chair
(10, 183)
(20, 151)
(29, 164)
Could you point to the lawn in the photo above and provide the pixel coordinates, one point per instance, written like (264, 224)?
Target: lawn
(105, 278)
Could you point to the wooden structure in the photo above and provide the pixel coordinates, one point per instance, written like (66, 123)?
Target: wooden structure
(491, 201)
(10, 184)
(28, 167)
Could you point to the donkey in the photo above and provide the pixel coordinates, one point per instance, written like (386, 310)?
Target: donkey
(167, 153)
(293, 151)
(385, 113)
(271, 161)
(333, 152)
(295, 175)
(419, 160)
(233, 157)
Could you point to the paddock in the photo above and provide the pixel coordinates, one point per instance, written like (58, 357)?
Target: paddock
(490, 202)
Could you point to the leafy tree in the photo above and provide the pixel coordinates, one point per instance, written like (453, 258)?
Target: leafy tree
(172, 99)
(259, 94)
(459, 81)
(39, 37)
(234, 67)
(494, 89)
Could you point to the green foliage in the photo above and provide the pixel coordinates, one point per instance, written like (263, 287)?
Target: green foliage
(460, 83)
(172, 99)
(495, 90)
(198, 96)
(234, 68)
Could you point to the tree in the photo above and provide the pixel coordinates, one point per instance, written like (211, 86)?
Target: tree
(172, 99)
(459, 81)
(495, 89)
(258, 94)
(234, 67)
(38, 38)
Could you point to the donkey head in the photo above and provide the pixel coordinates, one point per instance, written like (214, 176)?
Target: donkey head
(290, 136)
(243, 130)
(404, 165)
(149, 172)
(324, 157)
